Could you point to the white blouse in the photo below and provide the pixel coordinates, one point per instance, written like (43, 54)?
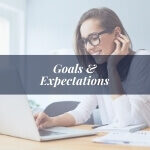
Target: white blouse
(126, 109)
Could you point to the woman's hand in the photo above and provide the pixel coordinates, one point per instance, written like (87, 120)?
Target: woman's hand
(43, 121)
(122, 49)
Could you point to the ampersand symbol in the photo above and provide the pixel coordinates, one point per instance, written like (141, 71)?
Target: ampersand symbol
(91, 68)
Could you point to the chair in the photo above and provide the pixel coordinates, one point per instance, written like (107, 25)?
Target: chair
(61, 107)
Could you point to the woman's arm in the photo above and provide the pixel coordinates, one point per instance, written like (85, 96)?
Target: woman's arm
(132, 109)
(115, 82)
(84, 110)
(77, 116)
(122, 49)
(135, 109)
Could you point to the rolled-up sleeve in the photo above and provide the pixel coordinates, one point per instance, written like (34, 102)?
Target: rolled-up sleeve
(132, 109)
(84, 110)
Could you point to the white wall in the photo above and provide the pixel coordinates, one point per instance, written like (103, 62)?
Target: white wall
(16, 4)
(15, 12)
(51, 24)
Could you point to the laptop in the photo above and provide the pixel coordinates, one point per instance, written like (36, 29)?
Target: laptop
(16, 119)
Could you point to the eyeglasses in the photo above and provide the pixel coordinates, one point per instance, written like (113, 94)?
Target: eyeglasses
(93, 39)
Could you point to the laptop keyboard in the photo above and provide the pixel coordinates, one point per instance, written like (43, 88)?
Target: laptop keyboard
(48, 133)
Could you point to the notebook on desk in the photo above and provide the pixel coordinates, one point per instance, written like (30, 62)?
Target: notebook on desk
(139, 138)
(112, 128)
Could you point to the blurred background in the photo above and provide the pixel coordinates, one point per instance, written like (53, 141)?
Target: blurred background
(47, 26)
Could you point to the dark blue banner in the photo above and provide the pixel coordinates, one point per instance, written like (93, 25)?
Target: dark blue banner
(57, 74)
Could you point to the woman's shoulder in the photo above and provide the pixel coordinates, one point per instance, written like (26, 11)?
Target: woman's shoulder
(141, 57)
(140, 61)
(138, 78)
(142, 52)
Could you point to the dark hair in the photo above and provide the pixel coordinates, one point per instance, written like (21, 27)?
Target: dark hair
(109, 20)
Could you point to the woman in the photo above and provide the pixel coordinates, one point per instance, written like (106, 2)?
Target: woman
(101, 34)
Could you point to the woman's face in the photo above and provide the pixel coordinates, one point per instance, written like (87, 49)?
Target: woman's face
(106, 45)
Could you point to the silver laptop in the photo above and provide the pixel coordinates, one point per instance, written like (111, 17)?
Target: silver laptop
(16, 119)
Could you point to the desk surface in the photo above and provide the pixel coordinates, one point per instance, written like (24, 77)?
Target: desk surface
(81, 143)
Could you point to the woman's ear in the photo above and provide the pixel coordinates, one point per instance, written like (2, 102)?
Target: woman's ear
(117, 31)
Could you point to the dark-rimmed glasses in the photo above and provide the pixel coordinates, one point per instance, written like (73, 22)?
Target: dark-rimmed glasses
(93, 39)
